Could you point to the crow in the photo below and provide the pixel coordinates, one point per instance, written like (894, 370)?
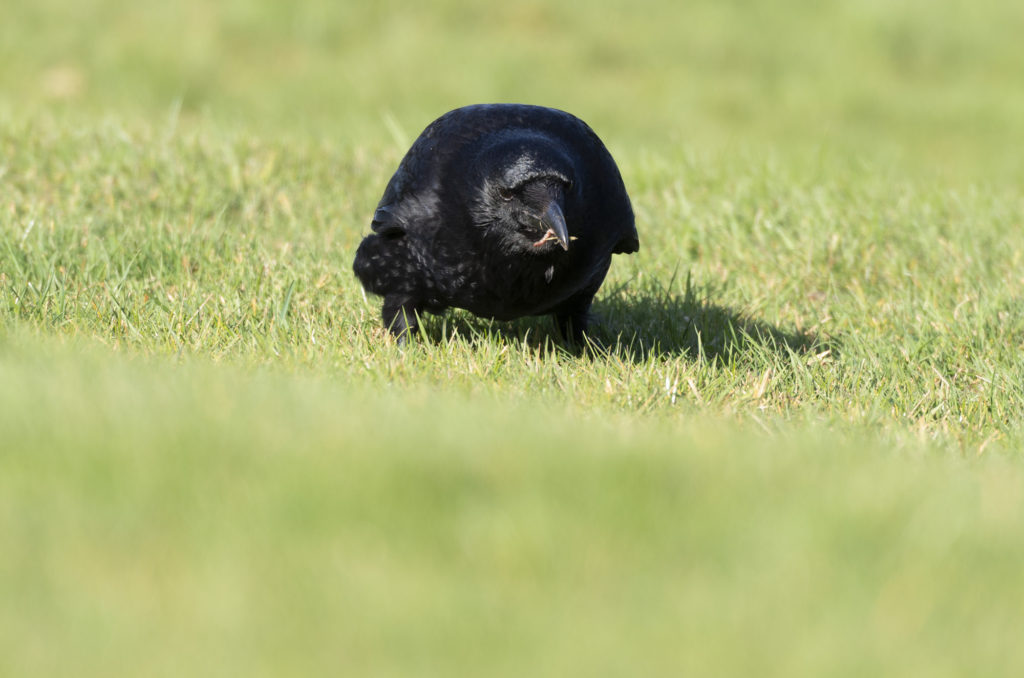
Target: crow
(505, 210)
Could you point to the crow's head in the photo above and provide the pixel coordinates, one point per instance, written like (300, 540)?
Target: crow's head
(526, 188)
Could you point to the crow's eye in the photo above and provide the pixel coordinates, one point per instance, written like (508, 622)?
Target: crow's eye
(505, 193)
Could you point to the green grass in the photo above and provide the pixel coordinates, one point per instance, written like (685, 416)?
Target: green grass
(794, 450)
(213, 521)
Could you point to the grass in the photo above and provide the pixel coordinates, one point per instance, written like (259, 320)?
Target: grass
(879, 302)
(795, 448)
(224, 521)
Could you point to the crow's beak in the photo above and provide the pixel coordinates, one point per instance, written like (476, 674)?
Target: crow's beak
(555, 220)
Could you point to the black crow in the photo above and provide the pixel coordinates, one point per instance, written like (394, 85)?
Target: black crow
(505, 210)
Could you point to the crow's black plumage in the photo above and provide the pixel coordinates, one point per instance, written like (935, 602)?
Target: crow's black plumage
(505, 210)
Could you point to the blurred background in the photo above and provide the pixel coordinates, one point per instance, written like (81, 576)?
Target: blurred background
(924, 84)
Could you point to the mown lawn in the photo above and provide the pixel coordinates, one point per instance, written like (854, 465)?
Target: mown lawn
(794, 448)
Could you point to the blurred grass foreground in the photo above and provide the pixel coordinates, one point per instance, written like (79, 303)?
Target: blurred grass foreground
(474, 539)
(799, 454)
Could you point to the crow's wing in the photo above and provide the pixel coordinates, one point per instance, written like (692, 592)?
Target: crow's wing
(629, 243)
(410, 198)
(387, 222)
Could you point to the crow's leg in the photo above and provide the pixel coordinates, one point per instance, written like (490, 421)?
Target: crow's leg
(400, 314)
(572, 324)
(573, 315)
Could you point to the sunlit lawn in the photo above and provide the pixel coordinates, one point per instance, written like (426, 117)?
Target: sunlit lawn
(794, 448)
